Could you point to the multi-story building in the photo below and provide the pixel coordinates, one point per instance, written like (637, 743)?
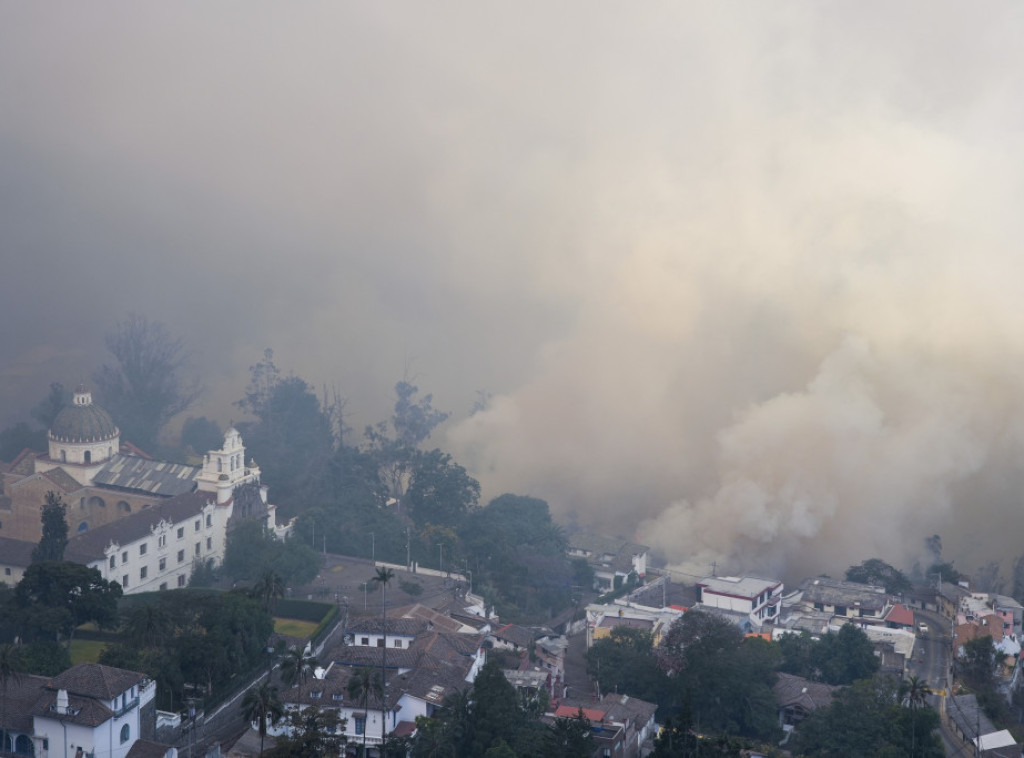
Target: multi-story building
(760, 600)
(88, 711)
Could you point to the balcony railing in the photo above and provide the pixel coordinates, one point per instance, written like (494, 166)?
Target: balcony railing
(133, 703)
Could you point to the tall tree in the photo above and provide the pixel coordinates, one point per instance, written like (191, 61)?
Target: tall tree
(312, 733)
(262, 705)
(395, 450)
(361, 686)
(8, 674)
(569, 738)
(145, 386)
(55, 530)
(296, 665)
(383, 576)
(53, 599)
(292, 436)
(45, 412)
(441, 492)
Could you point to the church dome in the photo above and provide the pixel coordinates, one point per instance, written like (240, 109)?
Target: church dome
(82, 421)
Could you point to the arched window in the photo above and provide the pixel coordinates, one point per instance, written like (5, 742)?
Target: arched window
(125, 733)
(23, 745)
(220, 466)
(88, 456)
(83, 527)
(123, 507)
(97, 502)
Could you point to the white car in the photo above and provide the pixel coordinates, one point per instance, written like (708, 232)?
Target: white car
(923, 628)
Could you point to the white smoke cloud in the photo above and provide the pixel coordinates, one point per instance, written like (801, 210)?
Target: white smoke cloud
(742, 280)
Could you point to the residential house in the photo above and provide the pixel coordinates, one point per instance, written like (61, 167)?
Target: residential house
(15, 557)
(89, 710)
(976, 733)
(603, 618)
(757, 599)
(419, 677)
(867, 604)
(621, 726)
(612, 559)
(899, 617)
(797, 698)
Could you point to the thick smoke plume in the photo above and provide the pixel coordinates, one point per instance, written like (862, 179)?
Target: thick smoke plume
(742, 281)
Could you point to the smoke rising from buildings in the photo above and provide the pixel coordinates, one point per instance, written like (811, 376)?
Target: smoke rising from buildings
(742, 282)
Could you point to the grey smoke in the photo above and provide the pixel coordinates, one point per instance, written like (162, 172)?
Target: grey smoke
(742, 281)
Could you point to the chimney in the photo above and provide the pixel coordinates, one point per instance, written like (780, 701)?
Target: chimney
(62, 701)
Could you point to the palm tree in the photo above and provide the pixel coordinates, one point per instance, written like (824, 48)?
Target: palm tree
(912, 694)
(263, 706)
(384, 575)
(268, 588)
(296, 664)
(365, 682)
(8, 674)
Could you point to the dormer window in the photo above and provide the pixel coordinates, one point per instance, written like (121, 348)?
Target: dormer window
(316, 695)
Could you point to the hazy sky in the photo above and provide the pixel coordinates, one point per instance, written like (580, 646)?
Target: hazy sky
(743, 279)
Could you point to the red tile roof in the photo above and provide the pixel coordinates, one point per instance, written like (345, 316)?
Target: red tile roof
(901, 615)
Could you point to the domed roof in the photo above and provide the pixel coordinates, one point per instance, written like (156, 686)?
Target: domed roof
(82, 421)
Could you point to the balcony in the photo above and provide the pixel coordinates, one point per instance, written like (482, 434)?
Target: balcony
(133, 703)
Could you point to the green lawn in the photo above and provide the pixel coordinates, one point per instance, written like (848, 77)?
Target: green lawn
(86, 651)
(294, 627)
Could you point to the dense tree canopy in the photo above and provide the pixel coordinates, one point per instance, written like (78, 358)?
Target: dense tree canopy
(53, 599)
(252, 551)
(878, 572)
(518, 556)
(724, 677)
(145, 386)
(201, 637)
(836, 658)
(870, 719)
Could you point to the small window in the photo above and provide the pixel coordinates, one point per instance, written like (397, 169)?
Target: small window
(181, 556)
(181, 580)
(181, 532)
(63, 456)
(209, 521)
(125, 733)
(398, 643)
(161, 541)
(124, 557)
(163, 585)
(365, 641)
(124, 580)
(142, 548)
(360, 724)
(209, 543)
(163, 564)
(199, 549)
(88, 456)
(380, 642)
(336, 696)
(7, 571)
(113, 561)
(316, 695)
(143, 572)
(198, 523)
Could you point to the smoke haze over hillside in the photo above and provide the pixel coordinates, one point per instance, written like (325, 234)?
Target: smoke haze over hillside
(743, 281)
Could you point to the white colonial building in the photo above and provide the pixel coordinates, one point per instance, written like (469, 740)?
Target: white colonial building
(88, 711)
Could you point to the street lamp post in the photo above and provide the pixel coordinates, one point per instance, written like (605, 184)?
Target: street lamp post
(373, 549)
